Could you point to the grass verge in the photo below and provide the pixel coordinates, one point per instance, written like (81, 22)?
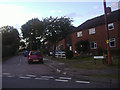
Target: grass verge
(88, 62)
(114, 76)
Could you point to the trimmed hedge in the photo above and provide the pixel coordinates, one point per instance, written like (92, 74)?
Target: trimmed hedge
(69, 54)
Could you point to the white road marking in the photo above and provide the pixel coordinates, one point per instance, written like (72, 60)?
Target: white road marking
(82, 82)
(42, 78)
(58, 70)
(6, 73)
(61, 80)
(31, 75)
(25, 77)
(65, 78)
(64, 73)
(47, 76)
(10, 76)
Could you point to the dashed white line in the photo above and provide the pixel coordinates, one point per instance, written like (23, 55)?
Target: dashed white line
(42, 78)
(25, 77)
(10, 76)
(31, 75)
(65, 78)
(61, 80)
(6, 73)
(82, 82)
(47, 76)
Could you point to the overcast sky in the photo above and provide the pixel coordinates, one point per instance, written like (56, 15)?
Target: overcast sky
(17, 13)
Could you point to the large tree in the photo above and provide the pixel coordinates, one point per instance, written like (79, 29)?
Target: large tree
(56, 29)
(10, 40)
(31, 30)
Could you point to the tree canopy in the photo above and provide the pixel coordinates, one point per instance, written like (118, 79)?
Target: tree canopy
(32, 31)
(10, 40)
(56, 29)
(50, 29)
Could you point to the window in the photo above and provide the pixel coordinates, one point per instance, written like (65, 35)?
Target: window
(93, 45)
(112, 42)
(92, 31)
(110, 26)
(79, 34)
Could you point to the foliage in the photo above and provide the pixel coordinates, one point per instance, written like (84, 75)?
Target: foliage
(69, 54)
(10, 40)
(56, 29)
(32, 31)
(82, 46)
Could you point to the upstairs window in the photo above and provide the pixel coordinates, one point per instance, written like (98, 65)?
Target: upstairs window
(92, 31)
(79, 34)
(93, 45)
(110, 26)
(112, 42)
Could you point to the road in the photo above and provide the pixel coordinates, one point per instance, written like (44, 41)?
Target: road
(17, 73)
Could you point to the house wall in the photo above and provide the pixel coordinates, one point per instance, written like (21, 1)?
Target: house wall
(99, 37)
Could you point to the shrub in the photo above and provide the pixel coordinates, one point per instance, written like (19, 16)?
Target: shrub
(82, 46)
(69, 54)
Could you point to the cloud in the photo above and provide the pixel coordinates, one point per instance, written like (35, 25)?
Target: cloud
(55, 11)
(52, 11)
(59, 11)
(15, 15)
(73, 15)
(114, 5)
(95, 7)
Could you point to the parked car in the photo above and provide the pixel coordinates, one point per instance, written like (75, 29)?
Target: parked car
(35, 56)
(26, 53)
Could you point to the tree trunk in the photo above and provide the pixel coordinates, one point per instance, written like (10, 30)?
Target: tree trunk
(54, 51)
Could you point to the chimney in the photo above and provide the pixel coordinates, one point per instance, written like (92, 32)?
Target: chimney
(108, 10)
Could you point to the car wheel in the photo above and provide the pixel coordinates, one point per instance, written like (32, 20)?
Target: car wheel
(29, 62)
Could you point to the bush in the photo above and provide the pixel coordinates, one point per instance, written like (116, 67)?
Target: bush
(69, 54)
(82, 46)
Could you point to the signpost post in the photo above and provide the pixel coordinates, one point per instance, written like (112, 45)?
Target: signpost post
(107, 34)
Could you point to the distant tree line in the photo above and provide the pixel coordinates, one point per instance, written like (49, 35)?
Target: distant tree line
(50, 29)
(10, 40)
(35, 31)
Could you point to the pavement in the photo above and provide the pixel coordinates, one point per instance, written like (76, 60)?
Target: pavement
(83, 74)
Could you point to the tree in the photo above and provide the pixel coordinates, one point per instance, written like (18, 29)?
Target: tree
(31, 30)
(82, 46)
(56, 29)
(10, 40)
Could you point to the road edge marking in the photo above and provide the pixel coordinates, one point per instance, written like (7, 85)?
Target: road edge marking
(87, 82)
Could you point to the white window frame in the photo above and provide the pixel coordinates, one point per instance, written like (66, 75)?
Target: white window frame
(111, 24)
(95, 45)
(79, 34)
(92, 31)
(111, 40)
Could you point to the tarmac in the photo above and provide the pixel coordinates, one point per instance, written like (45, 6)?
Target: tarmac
(84, 74)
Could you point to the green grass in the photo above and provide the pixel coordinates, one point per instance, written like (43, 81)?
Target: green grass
(88, 62)
(89, 65)
(71, 60)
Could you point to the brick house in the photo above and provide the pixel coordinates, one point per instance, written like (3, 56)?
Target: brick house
(94, 31)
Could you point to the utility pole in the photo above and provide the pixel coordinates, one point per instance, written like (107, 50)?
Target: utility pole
(107, 35)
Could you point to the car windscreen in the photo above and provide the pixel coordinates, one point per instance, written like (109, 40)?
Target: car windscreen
(35, 53)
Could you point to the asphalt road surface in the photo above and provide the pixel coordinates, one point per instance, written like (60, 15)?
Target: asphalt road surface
(17, 73)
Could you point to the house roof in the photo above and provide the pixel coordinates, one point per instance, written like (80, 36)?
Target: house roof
(100, 20)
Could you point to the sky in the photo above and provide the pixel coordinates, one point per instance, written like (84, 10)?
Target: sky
(17, 12)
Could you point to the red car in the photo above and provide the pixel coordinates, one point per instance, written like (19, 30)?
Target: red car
(35, 56)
